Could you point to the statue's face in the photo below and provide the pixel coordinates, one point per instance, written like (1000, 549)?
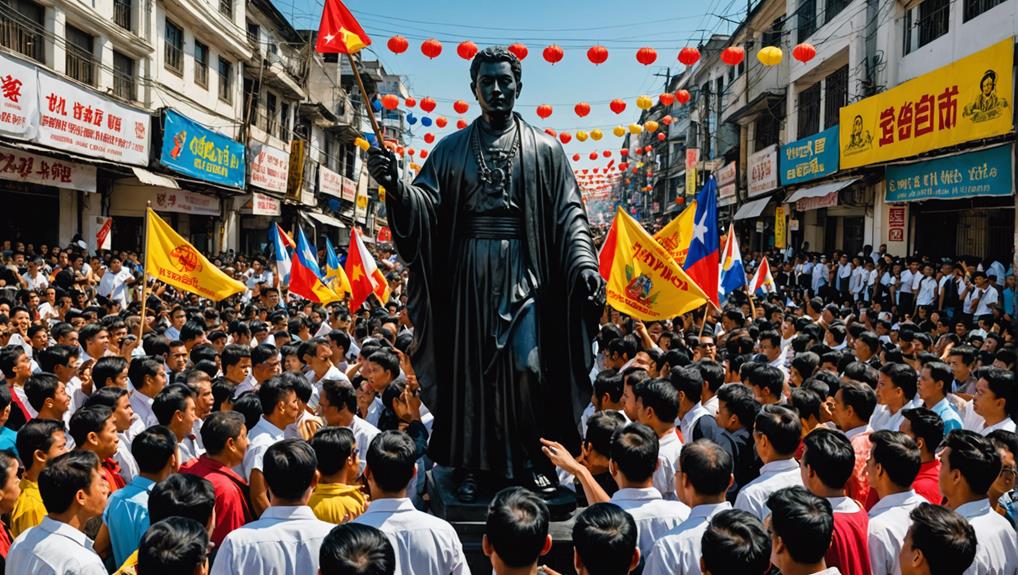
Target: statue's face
(496, 88)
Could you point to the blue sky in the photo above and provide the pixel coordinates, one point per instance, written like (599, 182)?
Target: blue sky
(622, 27)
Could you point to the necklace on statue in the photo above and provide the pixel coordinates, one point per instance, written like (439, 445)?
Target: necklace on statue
(498, 174)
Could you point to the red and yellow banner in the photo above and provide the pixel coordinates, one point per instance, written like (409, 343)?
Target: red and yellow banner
(171, 260)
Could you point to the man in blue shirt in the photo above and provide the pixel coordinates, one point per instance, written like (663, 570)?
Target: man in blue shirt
(934, 383)
(7, 435)
(126, 515)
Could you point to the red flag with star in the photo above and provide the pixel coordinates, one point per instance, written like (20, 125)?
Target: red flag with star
(339, 32)
(358, 271)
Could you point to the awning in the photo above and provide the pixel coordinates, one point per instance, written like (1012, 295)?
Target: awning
(327, 220)
(751, 209)
(154, 179)
(820, 190)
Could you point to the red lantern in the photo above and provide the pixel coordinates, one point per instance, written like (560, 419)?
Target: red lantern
(410, 102)
(429, 138)
(646, 56)
(399, 150)
(661, 137)
(804, 52)
(593, 155)
(428, 105)
(424, 154)
(544, 110)
(648, 149)
(666, 99)
(582, 109)
(607, 153)
(412, 152)
(733, 55)
(550, 132)
(597, 54)
(584, 170)
(689, 56)
(519, 50)
(431, 48)
(682, 96)
(460, 124)
(565, 137)
(623, 166)
(398, 44)
(441, 122)
(467, 50)
(596, 170)
(553, 54)
(390, 101)
(618, 105)
(624, 153)
(576, 157)
(460, 106)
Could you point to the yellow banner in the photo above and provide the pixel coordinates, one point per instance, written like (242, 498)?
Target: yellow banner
(675, 236)
(643, 279)
(171, 260)
(779, 227)
(966, 100)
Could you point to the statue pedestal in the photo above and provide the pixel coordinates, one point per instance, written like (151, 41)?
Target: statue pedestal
(469, 519)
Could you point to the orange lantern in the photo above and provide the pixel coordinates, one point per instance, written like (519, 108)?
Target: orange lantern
(460, 106)
(544, 110)
(646, 56)
(428, 105)
(460, 124)
(733, 55)
(667, 120)
(689, 56)
(467, 50)
(431, 48)
(553, 54)
(519, 50)
(441, 122)
(804, 52)
(398, 44)
(597, 55)
(666, 99)
(618, 105)
(582, 109)
(390, 101)
(682, 96)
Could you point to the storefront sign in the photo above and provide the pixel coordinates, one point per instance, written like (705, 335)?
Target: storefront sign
(330, 182)
(350, 190)
(726, 184)
(763, 170)
(21, 166)
(295, 174)
(196, 151)
(896, 220)
(810, 158)
(19, 98)
(692, 158)
(980, 173)
(817, 202)
(270, 167)
(80, 121)
(966, 100)
(779, 227)
(261, 205)
(184, 202)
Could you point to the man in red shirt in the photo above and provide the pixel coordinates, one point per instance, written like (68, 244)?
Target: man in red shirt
(827, 463)
(927, 429)
(225, 439)
(93, 429)
(853, 406)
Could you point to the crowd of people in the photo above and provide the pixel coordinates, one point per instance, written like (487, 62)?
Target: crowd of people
(860, 420)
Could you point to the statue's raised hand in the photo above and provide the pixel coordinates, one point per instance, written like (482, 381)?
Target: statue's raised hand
(593, 287)
(382, 167)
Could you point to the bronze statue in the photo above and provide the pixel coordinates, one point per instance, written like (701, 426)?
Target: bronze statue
(504, 290)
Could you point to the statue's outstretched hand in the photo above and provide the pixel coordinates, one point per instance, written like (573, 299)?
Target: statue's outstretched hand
(382, 167)
(593, 286)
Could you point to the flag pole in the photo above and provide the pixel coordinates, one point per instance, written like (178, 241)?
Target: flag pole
(703, 322)
(144, 272)
(364, 96)
(752, 308)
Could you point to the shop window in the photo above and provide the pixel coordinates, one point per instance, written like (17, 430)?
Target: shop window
(925, 23)
(809, 111)
(124, 79)
(80, 64)
(225, 80)
(201, 64)
(173, 48)
(806, 16)
(974, 8)
(834, 7)
(21, 27)
(836, 95)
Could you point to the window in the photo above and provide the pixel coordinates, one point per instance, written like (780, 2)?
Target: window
(835, 95)
(21, 26)
(809, 111)
(253, 32)
(123, 76)
(226, 8)
(122, 13)
(173, 54)
(270, 112)
(201, 64)
(925, 23)
(833, 7)
(772, 37)
(974, 8)
(766, 130)
(225, 80)
(284, 122)
(251, 100)
(80, 64)
(807, 19)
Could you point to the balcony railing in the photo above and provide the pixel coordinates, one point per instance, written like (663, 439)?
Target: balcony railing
(81, 66)
(124, 86)
(122, 13)
(22, 35)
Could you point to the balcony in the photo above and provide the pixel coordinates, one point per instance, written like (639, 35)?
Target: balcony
(122, 13)
(81, 66)
(22, 32)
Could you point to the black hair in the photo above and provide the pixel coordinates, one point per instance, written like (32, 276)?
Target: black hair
(859, 371)
(356, 549)
(781, 426)
(248, 405)
(218, 428)
(173, 546)
(192, 329)
(946, 539)
(975, 457)
(806, 402)
(88, 420)
(202, 352)
(898, 454)
(275, 390)
(634, 451)
(289, 468)
(108, 368)
(222, 391)
(941, 373)
(967, 353)
(333, 446)
(713, 374)
(340, 393)
(803, 521)
(626, 347)
(142, 367)
(171, 399)
(261, 353)
(182, 495)
(860, 397)
(55, 355)
(493, 54)
(660, 396)
(926, 425)
(687, 381)
(5, 397)
(806, 364)
(153, 448)
(870, 340)
(39, 387)
(605, 538)
(64, 476)
(735, 542)
(35, 435)
(767, 377)
(232, 354)
(517, 526)
(387, 360)
(1001, 383)
(707, 465)
(771, 336)
(108, 396)
(601, 428)
(609, 382)
(87, 332)
(9, 358)
(903, 377)
(155, 344)
(740, 401)
(391, 458)
(831, 456)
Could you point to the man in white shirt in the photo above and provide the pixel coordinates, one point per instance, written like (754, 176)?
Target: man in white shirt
(926, 289)
(148, 378)
(821, 275)
(735, 542)
(690, 384)
(892, 467)
(287, 537)
(73, 492)
(604, 537)
(517, 532)
(857, 284)
(424, 544)
(906, 297)
(657, 405)
(279, 409)
(896, 390)
(980, 296)
(770, 347)
(937, 536)
(995, 400)
(317, 355)
(633, 461)
(704, 476)
(801, 526)
(34, 278)
(776, 434)
(115, 282)
(969, 464)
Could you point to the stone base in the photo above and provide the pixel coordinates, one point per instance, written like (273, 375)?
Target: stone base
(469, 521)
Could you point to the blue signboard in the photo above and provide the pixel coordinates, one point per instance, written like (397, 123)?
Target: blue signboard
(194, 150)
(810, 158)
(980, 173)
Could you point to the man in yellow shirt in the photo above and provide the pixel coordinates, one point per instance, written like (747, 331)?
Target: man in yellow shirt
(38, 441)
(337, 498)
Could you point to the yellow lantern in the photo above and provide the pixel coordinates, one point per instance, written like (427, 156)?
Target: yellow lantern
(619, 131)
(644, 103)
(596, 134)
(769, 55)
(650, 126)
(362, 144)
(635, 129)
(381, 191)
(581, 136)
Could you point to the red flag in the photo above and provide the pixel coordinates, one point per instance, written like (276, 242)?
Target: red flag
(357, 270)
(339, 32)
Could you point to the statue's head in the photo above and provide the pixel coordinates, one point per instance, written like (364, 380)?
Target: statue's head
(495, 79)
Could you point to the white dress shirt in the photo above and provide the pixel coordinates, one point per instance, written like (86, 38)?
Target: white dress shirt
(54, 548)
(678, 552)
(1007, 424)
(124, 457)
(363, 433)
(888, 524)
(316, 383)
(688, 421)
(424, 544)
(189, 449)
(260, 438)
(142, 406)
(711, 405)
(883, 419)
(851, 433)
(773, 476)
(653, 515)
(927, 291)
(284, 540)
(669, 448)
(249, 384)
(997, 546)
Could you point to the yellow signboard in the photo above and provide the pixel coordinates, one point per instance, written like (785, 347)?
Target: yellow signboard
(966, 100)
(779, 227)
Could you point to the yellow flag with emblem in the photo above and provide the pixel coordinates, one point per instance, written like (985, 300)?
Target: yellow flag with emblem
(171, 260)
(675, 236)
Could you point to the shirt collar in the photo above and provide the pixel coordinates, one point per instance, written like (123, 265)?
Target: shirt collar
(974, 508)
(893, 500)
(288, 512)
(856, 431)
(779, 466)
(708, 510)
(670, 437)
(269, 426)
(142, 483)
(55, 527)
(843, 504)
(637, 494)
(696, 411)
(393, 505)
